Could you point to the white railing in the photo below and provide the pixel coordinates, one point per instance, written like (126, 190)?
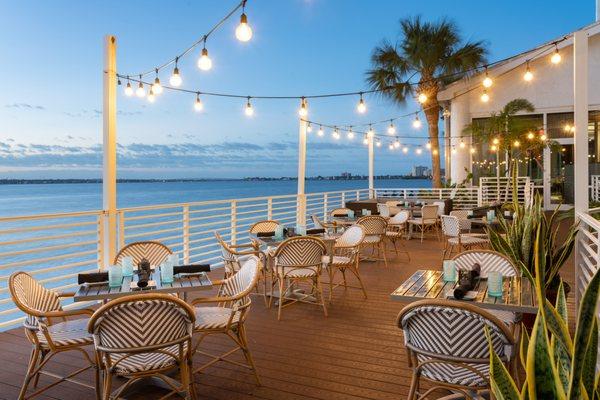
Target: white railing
(462, 198)
(500, 189)
(587, 251)
(595, 188)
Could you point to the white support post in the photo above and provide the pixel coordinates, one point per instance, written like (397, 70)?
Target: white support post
(301, 209)
(325, 206)
(370, 140)
(270, 208)
(447, 149)
(580, 85)
(546, 178)
(109, 142)
(185, 221)
(233, 222)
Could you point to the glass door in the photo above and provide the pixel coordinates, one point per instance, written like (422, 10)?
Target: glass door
(562, 174)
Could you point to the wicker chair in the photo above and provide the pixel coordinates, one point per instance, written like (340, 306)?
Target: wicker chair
(228, 314)
(396, 228)
(48, 338)
(383, 210)
(447, 346)
(427, 221)
(454, 239)
(465, 222)
(155, 252)
(265, 226)
(345, 257)
(141, 336)
(319, 224)
(375, 233)
(299, 259)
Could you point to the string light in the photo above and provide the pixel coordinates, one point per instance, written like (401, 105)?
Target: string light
(485, 97)
(243, 32)
(528, 76)
(419, 150)
(175, 79)
(496, 141)
(140, 91)
(157, 87)
(151, 96)
(391, 146)
(516, 143)
(493, 147)
(487, 81)
(556, 57)
(336, 133)
(249, 110)
(428, 145)
(378, 143)
(371, 132)
(543, 137)
(462, 144)
(417, 122)
(361, 107)
(435, 152)
(303, 111)
(391, 129)
(128, 89)
(320, 132)
(309, 128)
(396, 144)
(422, 98)
(365, 140)
(204, 62)
(472, 150)
(405, 149)
(198, 106)
(530, 136)
(350, 134)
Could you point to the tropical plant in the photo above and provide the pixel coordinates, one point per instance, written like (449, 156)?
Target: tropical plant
(529, 223)
(437, 55)
(557, 366)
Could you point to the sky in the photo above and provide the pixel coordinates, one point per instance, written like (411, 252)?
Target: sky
(51, 75)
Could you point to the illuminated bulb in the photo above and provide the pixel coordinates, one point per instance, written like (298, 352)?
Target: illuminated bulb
(350, 134)
(366, 140)
(198, 106)
(556, 58)
(336, 134)
(309, 128)
(243, 32)
(494, 148)
(396, 144)
(485, 97)
(472, 150)
(249, 110)
(175, 79)
(370, 132)
(419, 150)
(405, 149)
(361, 107)
(204, 62)
(140, 91)
(378, 143)
(391, 146)
(422, 98)
(428, 145)
(516, 143)
(530, 135)
(417, 122)
(434, 152)
(487, 81)
(446, 113)
(528, 76)
(496, 141)
(543, 137)
(128, 89)
(391, 129)
(462, 144)
(567, 128)
(303, 111)
(320, 132)
(151, 96)
(157, 87)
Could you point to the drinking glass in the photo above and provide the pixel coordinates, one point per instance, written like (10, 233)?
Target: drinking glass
(301, 230)
(127, 266)
(174, 259)
(495, 284)
(491, 214)
(449, 271)
(166, 272)
(279, 232)
(351, 214)
(364, 211)
(115, 276)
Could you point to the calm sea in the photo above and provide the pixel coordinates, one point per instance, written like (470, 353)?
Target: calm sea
(51, 198)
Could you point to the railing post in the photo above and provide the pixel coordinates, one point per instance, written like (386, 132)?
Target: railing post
(233, 227)
(479, 195)
(358, 195)
(270, 208)
(325, 214)
(100, 231)
(186, 234)
(343, 199)
(121, 238)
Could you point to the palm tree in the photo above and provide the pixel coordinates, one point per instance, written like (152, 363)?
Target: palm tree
(436, 54)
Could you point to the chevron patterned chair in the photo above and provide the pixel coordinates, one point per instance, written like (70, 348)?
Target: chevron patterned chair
(141, 336)
(396, 229)
(155, 252)
(299, 259)
(428, 221)
(447, 346)
(49, 338)
(456, 240)
(375, 228)
(345, 257)
(228, 315)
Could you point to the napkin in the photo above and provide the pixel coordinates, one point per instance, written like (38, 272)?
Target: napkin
(315, 231)
(265, 234)
(191, 269)
(92, 277)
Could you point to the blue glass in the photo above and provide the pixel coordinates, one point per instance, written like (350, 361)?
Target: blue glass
(279, 232)
(449, 271)
(115, 276)
(301, 230)
(174, 259)
(491, 214)
(494, 284)
(166, 272)
(351, 214)
(127, 266)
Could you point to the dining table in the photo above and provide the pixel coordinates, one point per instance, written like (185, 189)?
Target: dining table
(518, 294)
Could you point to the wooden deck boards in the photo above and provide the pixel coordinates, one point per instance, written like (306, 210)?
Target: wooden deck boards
(355, 353)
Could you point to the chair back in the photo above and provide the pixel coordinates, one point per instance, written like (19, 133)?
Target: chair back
(155, 252)
(300, 252)
(373, 224)
(352, 237)
(400, 218)
(489, 260)
(450, 226)
(32, 298)
(317, 222)
(463, 218)
(141, 322)
(238, 286)
(441, 207)
(429, 212)
(454, 331)
(393, 203)
(264, 226)
(340, 212)
(383, 210)
(230, 260)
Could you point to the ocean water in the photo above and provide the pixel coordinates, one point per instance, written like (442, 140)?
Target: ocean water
(52, 198)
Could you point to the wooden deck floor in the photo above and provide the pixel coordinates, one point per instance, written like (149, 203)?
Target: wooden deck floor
(355, 353)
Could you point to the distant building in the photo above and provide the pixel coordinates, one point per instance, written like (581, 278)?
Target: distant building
(420, 171)
(346, 175)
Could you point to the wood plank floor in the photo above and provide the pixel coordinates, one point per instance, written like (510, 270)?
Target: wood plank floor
(355, 353)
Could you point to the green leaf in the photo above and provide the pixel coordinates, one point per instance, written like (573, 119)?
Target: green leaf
(589, 363)
(501, 383)
(585, 323)
(561, 303)
(524, 345)
(557, 327)
(542, 378)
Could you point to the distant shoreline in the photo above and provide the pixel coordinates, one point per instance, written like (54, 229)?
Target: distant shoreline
(314, 178)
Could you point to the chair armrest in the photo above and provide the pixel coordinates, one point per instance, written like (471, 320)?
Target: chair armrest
(239, 246)
(216, 299)
(65, 294)
(68, 313)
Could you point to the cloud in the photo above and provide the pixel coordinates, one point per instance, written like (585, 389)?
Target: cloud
(26, 106)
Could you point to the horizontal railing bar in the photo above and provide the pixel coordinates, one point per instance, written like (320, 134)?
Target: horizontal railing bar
(58, 268)
(47, 248)
(210, 217)
(46, 259)
(47, 227)
(49, 238)
(51, 216)
(150, 224)
(146, 216)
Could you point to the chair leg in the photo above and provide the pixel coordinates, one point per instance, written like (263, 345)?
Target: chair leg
(412, 392)
(281, 293)
(360, 281)
(320, 294)
(331, 273)
(244, 346)
(381, 244)
(33, 362)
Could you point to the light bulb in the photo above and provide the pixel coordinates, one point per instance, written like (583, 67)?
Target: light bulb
(428, 145)
(370, 132)
(140, 91)
(496, 141)
(320, 132)
(361, 107)
(350, 134)
(434, 152)
(422, 98)
(151, 96)
(243, 32)
(516, 143)
(487, 81)
(472, 150)
(175, 79)
(336, 134)
(303, 111)
(391, 129)
(485, 97)
(419, 150)
(556, 58)
(204, 62)
(543, 137)
(128, 89)
(493, 147)
(198, 106)
(249, 110)
(366, 140)
(405, 149)
(309, 128)
(446, 113)
(391, 146)
(157, 87)
(396, 144)
(530, 135)
(567, 128)
(528, 76)
(462, 144)
(417, 122)
(378, 143)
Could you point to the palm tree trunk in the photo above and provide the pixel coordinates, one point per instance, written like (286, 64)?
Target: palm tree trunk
(432, 113)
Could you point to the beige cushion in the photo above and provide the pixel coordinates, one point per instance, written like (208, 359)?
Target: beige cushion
(341, 260)
(372, 239)
(68, 333)
(213, 317)
(145, 361)
(420, 221)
